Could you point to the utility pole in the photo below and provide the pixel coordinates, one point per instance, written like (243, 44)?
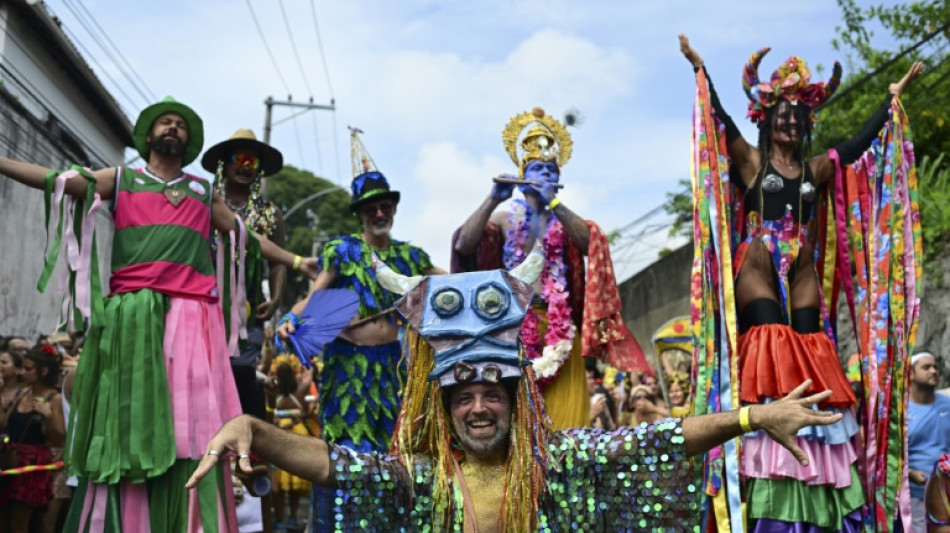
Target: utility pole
(268, 114)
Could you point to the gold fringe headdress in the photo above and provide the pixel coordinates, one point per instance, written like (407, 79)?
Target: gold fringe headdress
(546, 139)
(464, 328)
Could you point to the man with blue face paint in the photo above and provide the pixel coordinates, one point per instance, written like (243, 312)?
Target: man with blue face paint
(573, 315)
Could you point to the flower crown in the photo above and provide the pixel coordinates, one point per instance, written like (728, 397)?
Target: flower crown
(790, 81)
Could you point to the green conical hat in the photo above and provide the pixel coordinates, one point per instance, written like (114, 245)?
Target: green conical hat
(150, 114)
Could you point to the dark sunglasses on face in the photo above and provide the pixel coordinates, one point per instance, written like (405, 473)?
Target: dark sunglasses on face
(385, 207)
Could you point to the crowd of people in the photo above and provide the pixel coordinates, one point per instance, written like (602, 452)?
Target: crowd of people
(448, 401)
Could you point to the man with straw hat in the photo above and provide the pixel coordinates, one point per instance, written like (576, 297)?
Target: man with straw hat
(473, 450)
(240, 164)
(153, 381)
(360, 381)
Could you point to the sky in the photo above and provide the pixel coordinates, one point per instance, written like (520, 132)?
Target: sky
(433, 83)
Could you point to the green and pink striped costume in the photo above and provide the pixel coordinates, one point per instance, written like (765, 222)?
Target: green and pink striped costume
(154, 381)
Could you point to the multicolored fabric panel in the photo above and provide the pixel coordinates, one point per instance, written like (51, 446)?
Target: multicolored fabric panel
(160, 245)
(878, 225)
(712, 307)
(350, 256)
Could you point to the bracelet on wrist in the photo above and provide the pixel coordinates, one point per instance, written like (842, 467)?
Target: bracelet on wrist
(744, 423)
(554, 203)
(297, 261)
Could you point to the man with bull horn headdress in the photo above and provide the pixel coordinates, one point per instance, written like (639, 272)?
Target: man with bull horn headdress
(575, 314)
(473, 452)
(777, 282)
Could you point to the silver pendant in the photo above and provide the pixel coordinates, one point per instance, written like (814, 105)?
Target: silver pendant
(808, 192)
(772, 183)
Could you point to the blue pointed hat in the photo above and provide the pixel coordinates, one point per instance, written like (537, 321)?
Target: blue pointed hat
(369, 184)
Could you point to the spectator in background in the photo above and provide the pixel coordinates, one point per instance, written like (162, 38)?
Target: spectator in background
(18, 346)
(602, 407)
(928, 431)
(10, 365)
(656, 395)
(289, 414)
(678, 391)
(642, 406)
(938, 497)
(34, 423)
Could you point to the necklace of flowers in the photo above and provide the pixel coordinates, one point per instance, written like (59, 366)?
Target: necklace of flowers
(549, 355)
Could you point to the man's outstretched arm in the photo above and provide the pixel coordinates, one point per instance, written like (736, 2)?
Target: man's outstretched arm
(780, 419)
(305, 456)
(35, 176)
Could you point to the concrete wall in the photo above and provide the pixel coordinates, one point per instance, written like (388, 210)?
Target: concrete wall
(25, 116)
(657, 294)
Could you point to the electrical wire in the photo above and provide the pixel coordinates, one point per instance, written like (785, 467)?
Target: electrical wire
(109, 55)
(37, 94)
(316, 142)
(867, 77)
(118, 51)
(104, 72)
(267, 46)
(323, 57)
(303, 159)
(293, 46)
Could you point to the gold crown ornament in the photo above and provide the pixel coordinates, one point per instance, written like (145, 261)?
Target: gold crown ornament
(546, 140)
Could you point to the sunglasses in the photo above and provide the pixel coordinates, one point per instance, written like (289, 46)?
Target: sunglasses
(244, 160)
(385, 207)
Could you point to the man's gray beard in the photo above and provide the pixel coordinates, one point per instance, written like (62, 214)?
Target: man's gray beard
(485, 446)
(169, 147)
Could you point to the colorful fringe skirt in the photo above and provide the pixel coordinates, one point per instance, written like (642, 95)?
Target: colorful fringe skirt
(781, 495)
(152, 387)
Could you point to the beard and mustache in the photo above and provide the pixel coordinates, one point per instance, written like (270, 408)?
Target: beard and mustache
(168, 145)
(483, 445)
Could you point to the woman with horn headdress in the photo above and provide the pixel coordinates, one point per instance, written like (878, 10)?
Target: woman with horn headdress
(762, 264)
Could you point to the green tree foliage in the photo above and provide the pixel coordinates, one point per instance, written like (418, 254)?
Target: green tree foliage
(927, 101)
(680, 205)
(312, 223)
(934, 184)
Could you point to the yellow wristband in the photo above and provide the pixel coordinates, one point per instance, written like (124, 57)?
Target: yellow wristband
(297, 261)
(744, 419)
(554, 203)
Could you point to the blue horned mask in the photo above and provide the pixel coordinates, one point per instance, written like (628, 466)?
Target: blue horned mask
(472, 320)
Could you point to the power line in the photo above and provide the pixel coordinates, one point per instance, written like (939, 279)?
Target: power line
(32, 91)
(118, 52)
(267, 46)
(867, 77)
(35, 93)
(316, 142)
(303, 159)
(323, 58)
(336, 147)
(104, 72)
(93, 34)
(293, 46)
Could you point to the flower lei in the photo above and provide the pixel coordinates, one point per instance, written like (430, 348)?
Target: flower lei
(549, 355)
